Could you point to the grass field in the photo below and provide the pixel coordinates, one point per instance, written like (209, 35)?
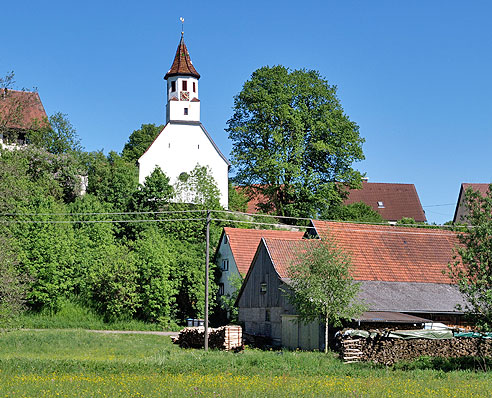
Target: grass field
(75, 363)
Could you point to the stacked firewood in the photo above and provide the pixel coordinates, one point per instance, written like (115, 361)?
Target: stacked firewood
(223, 338)
(388, 351)
(352, 350)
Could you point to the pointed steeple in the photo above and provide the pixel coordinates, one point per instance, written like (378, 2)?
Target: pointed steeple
(182, 65)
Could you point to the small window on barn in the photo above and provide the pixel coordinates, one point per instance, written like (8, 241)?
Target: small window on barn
(226, 240)
(225, 264)
(263, 287)
(267, 315)
(221, 289)
(380, 205)
(185, 85)
(173, 86)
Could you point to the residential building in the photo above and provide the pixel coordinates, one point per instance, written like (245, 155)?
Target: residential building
(393, 201)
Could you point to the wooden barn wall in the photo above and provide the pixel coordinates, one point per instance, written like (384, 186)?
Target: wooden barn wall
(261, 312)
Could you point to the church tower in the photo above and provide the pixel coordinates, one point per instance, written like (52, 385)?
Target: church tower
(184, 143)
(182, 87)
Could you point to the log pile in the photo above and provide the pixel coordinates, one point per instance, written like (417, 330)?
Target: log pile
(388, 351)
(352, 350)
(223, 338)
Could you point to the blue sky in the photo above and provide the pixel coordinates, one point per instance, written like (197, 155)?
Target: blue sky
(415, 76)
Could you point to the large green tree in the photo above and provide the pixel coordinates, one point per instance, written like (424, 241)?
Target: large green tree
(472, 270)
(292, 142)
(321, 286)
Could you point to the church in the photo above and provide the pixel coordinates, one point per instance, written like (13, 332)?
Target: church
(184, 142)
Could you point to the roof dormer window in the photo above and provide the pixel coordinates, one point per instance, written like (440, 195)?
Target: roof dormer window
(380, 205)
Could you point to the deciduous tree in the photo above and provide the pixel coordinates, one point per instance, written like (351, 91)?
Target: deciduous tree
(292, 141)
(321, 286)
(139, 141)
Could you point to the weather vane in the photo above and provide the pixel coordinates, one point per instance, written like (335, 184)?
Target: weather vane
(182, 25)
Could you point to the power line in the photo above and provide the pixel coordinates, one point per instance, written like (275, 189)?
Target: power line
(262, 223)
(261, 215)
(96, 221)
(102, 213)
(445, 204)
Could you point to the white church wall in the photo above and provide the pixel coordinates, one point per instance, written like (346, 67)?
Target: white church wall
(179, 148)
(183, 110)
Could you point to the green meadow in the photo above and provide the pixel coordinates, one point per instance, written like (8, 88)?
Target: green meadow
(77, 363)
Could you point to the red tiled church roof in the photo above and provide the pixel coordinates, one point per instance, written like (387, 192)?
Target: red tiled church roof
(243, 243)
(379, 253)
(20, 109)
(398, 200)
(182, 64)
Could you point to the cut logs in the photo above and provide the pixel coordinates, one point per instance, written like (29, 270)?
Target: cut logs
(388, 351)
(223, 338)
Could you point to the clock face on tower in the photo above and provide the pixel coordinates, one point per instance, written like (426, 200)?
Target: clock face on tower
(184, 96)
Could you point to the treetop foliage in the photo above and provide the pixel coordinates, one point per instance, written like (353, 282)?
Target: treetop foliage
(140, 141)
(321, 286)
(321, 283)
(292, 140)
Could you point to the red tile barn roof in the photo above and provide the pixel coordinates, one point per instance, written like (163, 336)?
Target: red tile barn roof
(244, 242)
(378, 253)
